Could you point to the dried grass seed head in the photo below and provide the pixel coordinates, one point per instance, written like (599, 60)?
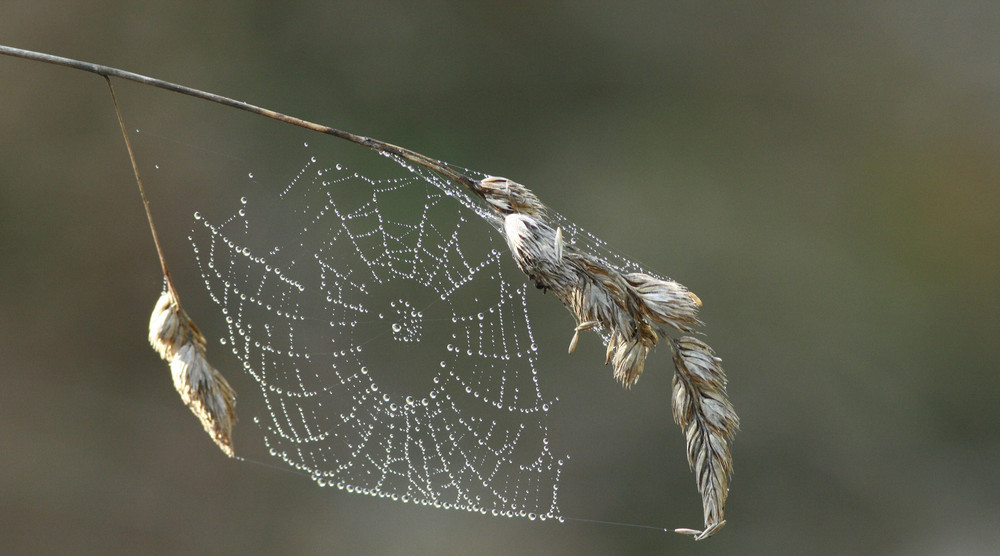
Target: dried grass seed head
(666, 301)
(630, 307)
(709, 421)
(507, 197)
(202, 388)
(634, 309)
(207, 393)
(170, 327)
(166, 327)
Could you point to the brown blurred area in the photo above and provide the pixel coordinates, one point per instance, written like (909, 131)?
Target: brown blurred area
(825, 178)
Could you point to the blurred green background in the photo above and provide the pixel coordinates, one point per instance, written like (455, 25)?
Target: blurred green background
(825, 177)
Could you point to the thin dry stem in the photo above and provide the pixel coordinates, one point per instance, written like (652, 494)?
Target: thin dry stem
(142, 190)
(441, 168)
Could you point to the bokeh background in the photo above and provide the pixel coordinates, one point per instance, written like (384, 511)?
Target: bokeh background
(825, 177)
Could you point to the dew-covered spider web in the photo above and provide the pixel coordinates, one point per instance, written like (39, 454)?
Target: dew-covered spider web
(388, 333)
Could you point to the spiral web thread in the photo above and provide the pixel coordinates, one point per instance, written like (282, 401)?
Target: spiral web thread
(394, 356)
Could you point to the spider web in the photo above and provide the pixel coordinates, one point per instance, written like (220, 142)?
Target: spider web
(390, 342)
